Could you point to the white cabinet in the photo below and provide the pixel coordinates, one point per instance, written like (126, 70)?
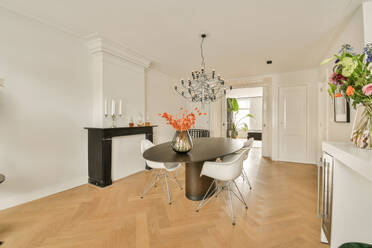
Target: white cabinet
(351, 205)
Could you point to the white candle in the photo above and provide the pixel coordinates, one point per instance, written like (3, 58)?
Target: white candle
(105, 107)
(120, 108)
(113, 107)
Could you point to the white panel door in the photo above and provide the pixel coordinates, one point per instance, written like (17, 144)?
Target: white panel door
(293, 124)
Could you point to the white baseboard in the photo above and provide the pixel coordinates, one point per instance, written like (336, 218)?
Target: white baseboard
(34, 195)
(296, 161)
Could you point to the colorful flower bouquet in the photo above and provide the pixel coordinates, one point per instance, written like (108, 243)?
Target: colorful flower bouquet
(182, 123)
(352, 79)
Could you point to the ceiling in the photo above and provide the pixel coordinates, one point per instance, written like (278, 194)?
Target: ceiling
(243, 34)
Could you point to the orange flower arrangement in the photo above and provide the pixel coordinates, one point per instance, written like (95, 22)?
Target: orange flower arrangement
(183, 121)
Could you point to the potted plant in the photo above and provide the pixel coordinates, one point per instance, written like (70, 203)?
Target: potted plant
(182, 141)
(233, 107)
(352, 79)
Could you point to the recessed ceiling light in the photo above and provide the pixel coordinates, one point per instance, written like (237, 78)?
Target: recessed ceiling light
(269, 62)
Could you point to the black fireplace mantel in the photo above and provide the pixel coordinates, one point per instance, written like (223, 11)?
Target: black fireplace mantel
(100, 148)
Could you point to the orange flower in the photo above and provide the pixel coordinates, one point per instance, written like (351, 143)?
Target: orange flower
(350, 90)
(338, 95)
(183, 121)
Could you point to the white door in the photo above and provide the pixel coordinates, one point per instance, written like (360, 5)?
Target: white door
(293, 124)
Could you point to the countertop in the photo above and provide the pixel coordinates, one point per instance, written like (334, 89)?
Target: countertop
(359, 160)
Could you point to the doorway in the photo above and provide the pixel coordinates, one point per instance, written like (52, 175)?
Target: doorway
(251, 101)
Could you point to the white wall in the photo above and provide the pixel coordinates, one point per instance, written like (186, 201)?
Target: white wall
(352, 33)
(126, 81)
(367, 21)
(54, 88)
(43, 109)
(161, 98)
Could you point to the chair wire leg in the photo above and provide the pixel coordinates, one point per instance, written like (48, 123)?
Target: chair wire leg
(175, 180)
(168, 191)
(241, 195)
(245, 177)
(156, 179)
(150, 182)
(180, 170)
(218, 191)
(203, 202)
(231, 204)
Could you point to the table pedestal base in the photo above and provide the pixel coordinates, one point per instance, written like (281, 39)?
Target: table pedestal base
(196, 186)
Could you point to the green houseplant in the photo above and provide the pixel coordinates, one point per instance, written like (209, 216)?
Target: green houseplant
(233, 108)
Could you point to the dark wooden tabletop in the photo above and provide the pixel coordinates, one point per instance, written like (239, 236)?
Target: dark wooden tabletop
(204, 149)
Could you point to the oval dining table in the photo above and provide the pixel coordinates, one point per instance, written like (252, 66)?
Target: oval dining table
(204, 149)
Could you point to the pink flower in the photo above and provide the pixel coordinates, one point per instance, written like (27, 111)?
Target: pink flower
(336, 78)
(367, 90)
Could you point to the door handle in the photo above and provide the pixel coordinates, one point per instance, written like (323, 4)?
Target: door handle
(327, 209)
(320, 166)
(325, 190)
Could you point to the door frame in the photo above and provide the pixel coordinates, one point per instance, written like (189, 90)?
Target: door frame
(266, 101)
(275, 136)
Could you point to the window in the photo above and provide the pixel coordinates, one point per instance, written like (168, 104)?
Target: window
(250, 105)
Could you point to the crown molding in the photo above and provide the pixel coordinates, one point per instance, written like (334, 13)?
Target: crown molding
(99, 44)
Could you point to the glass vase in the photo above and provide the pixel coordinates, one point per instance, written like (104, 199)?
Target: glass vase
(182, 142)
(362, 128)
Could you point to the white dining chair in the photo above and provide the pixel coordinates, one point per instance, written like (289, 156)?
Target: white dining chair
(224, 174)
(246, 148)
(159, 171)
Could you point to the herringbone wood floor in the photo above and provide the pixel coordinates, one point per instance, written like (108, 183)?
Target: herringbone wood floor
(281, 214)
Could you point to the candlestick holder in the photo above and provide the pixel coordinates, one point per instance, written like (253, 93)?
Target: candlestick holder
(114, 117)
